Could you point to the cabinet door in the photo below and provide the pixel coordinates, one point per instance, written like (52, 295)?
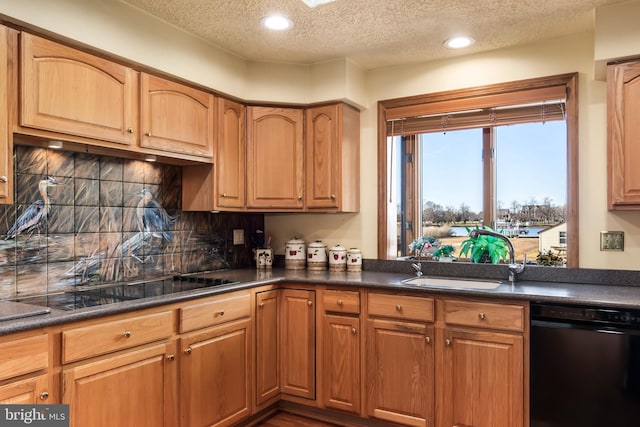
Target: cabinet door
(215, 374)
(341, 363)
(332, 158)
(26, 392)
(230, 157)
(400, 372)
(483, 379)
(275, 158)
(72, 92)
(298, 350)
(8, 55)
(175, 118)
(131, 389)
(623, 131)
(267, 346)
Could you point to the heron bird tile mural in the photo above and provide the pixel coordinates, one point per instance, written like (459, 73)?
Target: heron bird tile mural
(82, 219)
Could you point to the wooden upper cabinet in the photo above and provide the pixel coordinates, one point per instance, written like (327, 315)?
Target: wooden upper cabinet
(332, 147)
(175, 118)
(275, 159)
(230, 156)
(72, 92)
(623, 134)
(8, 94)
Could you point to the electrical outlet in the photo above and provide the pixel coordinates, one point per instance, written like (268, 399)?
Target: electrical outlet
(238, 236)
(612, 240)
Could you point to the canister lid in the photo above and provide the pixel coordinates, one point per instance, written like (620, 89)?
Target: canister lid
(338, 248)
(317, 244)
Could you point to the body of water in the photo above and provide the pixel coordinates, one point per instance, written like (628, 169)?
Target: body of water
(524, 231)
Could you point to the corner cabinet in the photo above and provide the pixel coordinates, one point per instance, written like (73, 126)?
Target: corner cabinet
(623, 134)
(275, 159)
(72, 92)
(175, 118)
(332, 164)
(230, 156)
(8, 94)
(297, 345)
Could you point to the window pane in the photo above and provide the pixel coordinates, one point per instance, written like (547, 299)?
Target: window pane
(531, 186)
(451, 167)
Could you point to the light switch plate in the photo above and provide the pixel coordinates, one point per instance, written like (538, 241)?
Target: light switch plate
(238, 236)
(612, 240)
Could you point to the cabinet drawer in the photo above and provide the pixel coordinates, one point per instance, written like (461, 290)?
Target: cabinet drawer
(401, 307)
(508, 317)
(341, 301)
(23, 356)
(89, 341)
(214, 312)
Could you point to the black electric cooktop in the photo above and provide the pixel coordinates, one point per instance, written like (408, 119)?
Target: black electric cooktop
(100, 295)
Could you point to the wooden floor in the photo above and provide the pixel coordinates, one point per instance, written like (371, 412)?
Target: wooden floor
(283, 419)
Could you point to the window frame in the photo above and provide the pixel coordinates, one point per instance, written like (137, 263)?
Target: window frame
(516, 91)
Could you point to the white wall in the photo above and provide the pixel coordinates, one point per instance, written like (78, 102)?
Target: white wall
(121, 30)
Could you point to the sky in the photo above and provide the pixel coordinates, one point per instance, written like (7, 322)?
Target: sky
(531, 164)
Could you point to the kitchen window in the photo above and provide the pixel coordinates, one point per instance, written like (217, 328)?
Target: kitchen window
(477, 134)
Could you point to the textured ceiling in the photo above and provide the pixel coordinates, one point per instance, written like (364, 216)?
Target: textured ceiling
(374, 33)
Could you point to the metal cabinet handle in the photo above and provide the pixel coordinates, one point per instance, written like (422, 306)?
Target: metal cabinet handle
(127, 334)
(224, 194)
(299, 197)
(398, 307)
(333, 197)
(354, 330)
(147, 133)
(188, 350)
(482, 316)
(130, 130)
(171, 357)
(309, 303)
(427, 339)
(220, 313)
(3, 178)
(447, 341)
(339, 302)
(44, 395)
(261, 305)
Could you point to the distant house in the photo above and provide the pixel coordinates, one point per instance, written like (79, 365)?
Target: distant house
(553, 238)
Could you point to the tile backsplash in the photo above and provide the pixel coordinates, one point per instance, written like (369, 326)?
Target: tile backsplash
(83, 219)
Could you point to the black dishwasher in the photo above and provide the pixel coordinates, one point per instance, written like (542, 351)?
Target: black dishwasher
(585, 366)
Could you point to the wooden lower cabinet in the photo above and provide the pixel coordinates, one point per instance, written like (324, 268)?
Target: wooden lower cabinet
(297, 343)
(267, 347)
(482, 379)
(215, 375)
(131, 389)
(341, 363)
(400, 372)
(26, 392)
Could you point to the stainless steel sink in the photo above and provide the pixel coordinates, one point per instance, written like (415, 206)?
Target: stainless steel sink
(452, 283)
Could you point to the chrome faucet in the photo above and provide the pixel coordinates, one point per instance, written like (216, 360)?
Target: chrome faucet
(418, 268)
(514, 269)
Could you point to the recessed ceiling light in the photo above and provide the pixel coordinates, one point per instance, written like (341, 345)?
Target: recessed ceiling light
(458, 42)
(314, 3)
(277, 22)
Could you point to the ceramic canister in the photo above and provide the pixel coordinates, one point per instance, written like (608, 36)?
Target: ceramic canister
(317, 256)
(354, 260)
(337, 258)
(295, 257)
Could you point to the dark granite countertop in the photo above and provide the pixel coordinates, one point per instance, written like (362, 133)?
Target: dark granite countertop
(601, 288)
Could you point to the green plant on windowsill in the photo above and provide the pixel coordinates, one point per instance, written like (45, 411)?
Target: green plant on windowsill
(484, 249)
(444, 251)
